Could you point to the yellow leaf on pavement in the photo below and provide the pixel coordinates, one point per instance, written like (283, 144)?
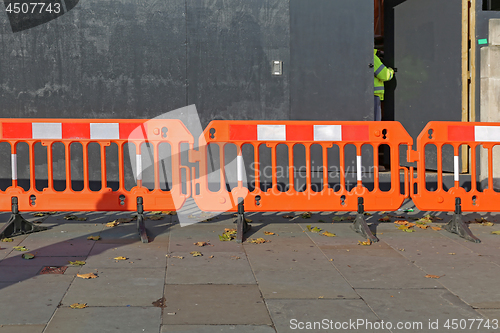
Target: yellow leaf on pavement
(430, 276)
(488, 224)
(257, 241)
(156, 213)
(77, 263)
(94, 238)
(422, 226)
(120, 258)
(496, 232)
(112, 224)
(20, 248)
(7, 240)
(169, 212)
(87, 276)
(328, 234)
(366, 243)
(269, 233)
(78, 306)
(196, 254)
(201, 244)
(306, 215)
(436, 228)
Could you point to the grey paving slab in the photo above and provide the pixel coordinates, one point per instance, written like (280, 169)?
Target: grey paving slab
(265, 257)
(29, 303)
(217, 328)
(6, 247)
(490, 313)
(468, 279)
(105, 320)
(158, 232)
(142, 255)
(311, 284)
(72, 245)
(22, 328)
(117, 286)
(223, 268)
(215, 305)
(184, 239)
(16, 269)
(381, 272)
(291, 315)
(418, 306)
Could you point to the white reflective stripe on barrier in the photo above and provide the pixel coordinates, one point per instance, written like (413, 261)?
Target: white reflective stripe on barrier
(271, 132)
(14, 166)
(46, 130)
(138, 163)
(104, 131)
(487, 133)
(455, 168)
(358, 169)
(239, 166)
(327, 132)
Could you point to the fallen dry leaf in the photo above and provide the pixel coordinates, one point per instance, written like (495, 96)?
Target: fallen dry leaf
(196, 254)
(386, 218)
(288, 216)
(124, 220)
(401, 222)
(155, 213)
(169, 212)
(70, 217)
(235, 258)
(269, 233)
(87, 276)
(178, 257)
(452, 253)
(436, 228)
(488, 224)
(78, 306)
(306, 215)
(430, 276)
(368, 242)
(94, 238)
(28, 256)
(211, 257)
(328, 234)
(497, 232)
(20, 248)
(201, 244)
(7, 240)
(422, 226)
(257, 241)
(77, 263)
(112, 224)
(120, 258)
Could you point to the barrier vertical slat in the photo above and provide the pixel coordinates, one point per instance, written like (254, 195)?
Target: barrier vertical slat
(50, 170)
(490, 168)
(376, 180)
(156, 153)
(13, 154)
(439, 149)
(222, 148)
(86, 166)
(291, 174)
(342, 167)
(138, 163)
(358, 166)
(257, 166)
(104, 177)
(473, 167)
(274, 178)
(67, 164)
(325, 168)
(121, 167)
(31, 148)
(239, 166)
(308, 167)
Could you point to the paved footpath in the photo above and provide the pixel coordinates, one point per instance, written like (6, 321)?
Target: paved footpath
(299, 279)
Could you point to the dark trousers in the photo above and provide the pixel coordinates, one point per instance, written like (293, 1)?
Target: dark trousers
(377, 109)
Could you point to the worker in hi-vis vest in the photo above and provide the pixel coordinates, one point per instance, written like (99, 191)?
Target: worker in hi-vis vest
(381, 74)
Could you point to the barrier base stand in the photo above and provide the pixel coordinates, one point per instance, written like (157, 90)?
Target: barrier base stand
(242, 225)
(458, 226)
(17, 225)
(360, 226)
(141, 227)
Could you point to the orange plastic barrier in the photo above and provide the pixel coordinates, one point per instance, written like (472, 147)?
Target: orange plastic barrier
(306, 133)
(104, 132)
(455, 134)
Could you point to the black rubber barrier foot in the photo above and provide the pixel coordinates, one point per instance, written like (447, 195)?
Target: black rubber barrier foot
(141, 227)
(458, 226)
(242, 225)
(17, 225)
(360, 225)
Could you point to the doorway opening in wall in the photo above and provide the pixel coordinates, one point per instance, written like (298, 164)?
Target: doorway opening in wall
(491, 5)
(378, 42)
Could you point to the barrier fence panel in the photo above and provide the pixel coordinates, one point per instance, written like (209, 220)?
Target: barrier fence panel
(145, 141)
(290, 193)
(458, 198)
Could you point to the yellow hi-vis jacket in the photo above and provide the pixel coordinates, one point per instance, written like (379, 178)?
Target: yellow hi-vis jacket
(381, 74)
